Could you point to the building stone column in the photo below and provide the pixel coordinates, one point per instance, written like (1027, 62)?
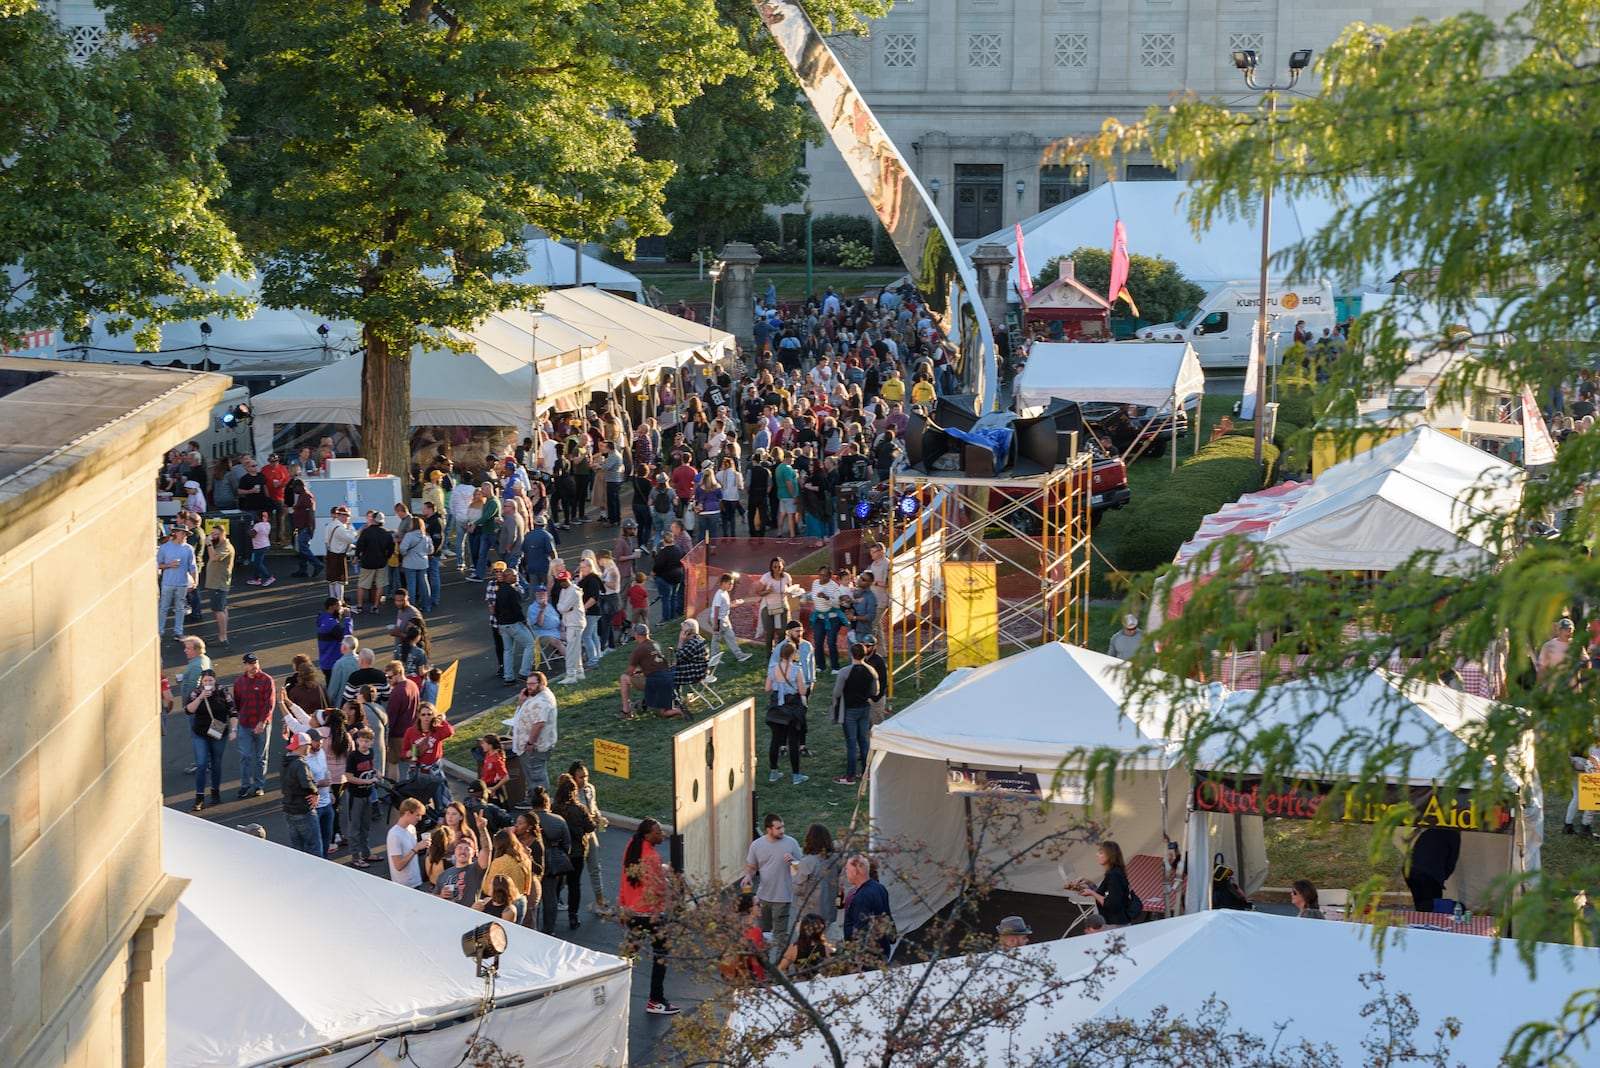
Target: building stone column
(993, 266)
(740, 261)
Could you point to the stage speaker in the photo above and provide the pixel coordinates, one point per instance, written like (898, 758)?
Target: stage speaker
(1048, 440)
(949, 413)
(926, 443)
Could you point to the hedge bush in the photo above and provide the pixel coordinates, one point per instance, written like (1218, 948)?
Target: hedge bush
(1168, 514)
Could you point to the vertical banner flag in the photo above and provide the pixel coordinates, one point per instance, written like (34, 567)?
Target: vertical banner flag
(1024, 279)
(1538, 448)
(971, 614)
(1247, 407)
(1119, 268)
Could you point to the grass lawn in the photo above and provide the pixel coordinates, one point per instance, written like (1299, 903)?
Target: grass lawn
(589, 710)
(680, 281)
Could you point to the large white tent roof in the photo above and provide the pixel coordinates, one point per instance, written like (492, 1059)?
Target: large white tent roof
(1423, 490)
(1334, 718)
(1156, 218)
(1131, 373)
(251, 980)
(1243, 959)
(553, 265)
(1000, 714)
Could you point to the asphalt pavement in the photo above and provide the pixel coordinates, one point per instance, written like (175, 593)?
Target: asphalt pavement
(277, 622)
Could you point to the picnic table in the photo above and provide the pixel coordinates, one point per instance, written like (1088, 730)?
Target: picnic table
(1431, 921)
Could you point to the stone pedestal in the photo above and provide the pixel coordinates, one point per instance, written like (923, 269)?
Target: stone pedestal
(992, 264)
(738, 292)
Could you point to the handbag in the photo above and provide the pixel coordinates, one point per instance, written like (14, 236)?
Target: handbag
(215, 731)
(778, 714)
(691, 518)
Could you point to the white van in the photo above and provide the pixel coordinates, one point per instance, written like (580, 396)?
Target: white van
(1219, 326)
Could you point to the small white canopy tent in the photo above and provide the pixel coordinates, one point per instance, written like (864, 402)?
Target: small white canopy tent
(1331, 717)
(552, 265)
(1269, 970)
(246, 986)
(1027, 712)
(447, 389)
(1134, 373)
(1423, 490)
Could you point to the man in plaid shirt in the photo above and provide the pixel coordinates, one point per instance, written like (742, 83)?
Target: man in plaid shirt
(254, 694)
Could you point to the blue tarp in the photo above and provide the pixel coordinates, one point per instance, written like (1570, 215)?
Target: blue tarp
(997, 439)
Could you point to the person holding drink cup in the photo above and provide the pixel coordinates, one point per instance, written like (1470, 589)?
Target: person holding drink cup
(774, 858)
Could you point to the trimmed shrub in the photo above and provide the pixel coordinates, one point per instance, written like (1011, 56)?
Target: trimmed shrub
(1170, 512)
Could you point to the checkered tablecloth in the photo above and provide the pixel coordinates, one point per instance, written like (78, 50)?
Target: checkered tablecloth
(1431, 921)
(1146, 876)
(1242, 671)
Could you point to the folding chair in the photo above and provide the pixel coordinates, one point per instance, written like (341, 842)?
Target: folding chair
(706, 688)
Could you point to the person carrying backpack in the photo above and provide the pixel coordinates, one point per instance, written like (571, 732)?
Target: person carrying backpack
(1116, 900)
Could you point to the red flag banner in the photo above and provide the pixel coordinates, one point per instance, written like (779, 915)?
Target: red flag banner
(1024, 279)
(1119, 263)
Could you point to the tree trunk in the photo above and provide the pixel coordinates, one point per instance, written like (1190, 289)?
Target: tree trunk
(385, 407)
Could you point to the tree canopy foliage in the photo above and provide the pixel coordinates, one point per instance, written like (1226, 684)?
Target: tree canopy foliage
(1156, 284)
(108, 176)
(1461, 151)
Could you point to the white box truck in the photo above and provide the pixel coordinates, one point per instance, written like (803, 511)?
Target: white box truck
(1219, 326)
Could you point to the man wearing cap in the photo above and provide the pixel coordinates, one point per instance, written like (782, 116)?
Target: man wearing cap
(874, 660)
(544, 620)
(300, 797)
(341, 539)
(275, 479)
(538, 549)
(374, 546)
(178, 570)
(219, 577)
(1126, 642)
(1013, 932)
(254, 694)
(511, 619)
(649, 674)
(1555, 653)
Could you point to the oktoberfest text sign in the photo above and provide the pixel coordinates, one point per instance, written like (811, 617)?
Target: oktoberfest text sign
(1250, 795)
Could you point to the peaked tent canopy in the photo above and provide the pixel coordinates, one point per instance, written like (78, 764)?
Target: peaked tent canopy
(1027, 712)
(1158, 225)
(1334, 718)
(447, 389)
(1131, 373)
(552, 265)
(1242, 958)
(244, 991)
(1421, 491)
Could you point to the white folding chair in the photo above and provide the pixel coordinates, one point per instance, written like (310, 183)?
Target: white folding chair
(706, 689)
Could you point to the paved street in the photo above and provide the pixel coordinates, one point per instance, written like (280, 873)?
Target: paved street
(278, 622)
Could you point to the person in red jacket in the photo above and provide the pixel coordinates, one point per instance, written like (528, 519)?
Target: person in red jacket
(423, 747)
(277, 478)
(644, 895)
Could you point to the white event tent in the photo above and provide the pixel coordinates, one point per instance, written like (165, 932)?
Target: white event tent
(552, 265)
(1131, 373)
(1333, 720)
(1422, 491)
(1026, 713)
(251, 982)
(1156, 217)
(1270, 971)
(588, 341)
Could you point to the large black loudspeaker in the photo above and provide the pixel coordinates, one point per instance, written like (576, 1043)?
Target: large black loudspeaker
(1048, 440)
(926, 440)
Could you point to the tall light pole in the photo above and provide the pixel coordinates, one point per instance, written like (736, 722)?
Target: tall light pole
(810, 289)
(1247, 59)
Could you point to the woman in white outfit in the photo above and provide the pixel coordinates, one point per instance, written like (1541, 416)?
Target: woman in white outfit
(569, 602)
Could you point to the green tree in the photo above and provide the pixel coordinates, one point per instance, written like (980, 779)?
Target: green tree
(385, 159)
(1155, 283)
(108, 172)
(1462, 150)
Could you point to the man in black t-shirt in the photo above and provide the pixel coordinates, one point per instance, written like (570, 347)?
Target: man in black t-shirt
(462, 880)
(853, 691)
(361, 773)
(374, 546)
(252, 490)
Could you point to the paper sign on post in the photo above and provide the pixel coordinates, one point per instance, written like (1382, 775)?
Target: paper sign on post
(447, 689)
(611, 758)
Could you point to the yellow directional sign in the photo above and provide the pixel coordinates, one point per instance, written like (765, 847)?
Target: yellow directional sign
(611, 758)
(447, 689)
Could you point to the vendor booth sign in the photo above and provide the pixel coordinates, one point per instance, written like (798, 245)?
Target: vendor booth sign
(1249, 795)
(964, 780)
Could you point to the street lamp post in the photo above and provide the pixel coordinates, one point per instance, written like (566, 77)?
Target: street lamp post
(810, 289)
(533, 374)
(711, 316)
(1247, 59)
